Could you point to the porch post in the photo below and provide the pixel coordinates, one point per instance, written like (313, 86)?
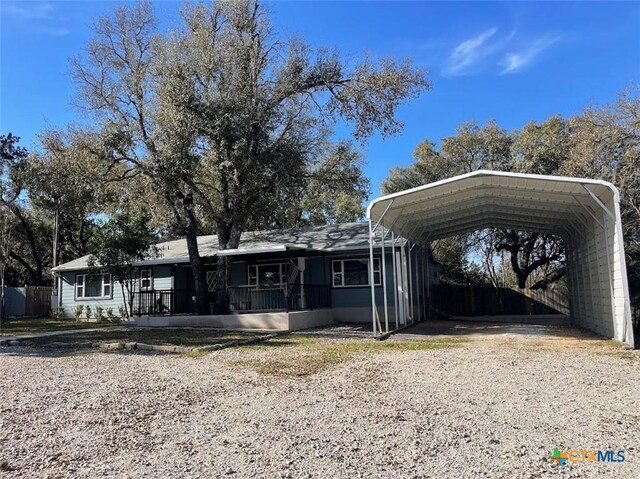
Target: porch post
(373, 287)
(303, 294)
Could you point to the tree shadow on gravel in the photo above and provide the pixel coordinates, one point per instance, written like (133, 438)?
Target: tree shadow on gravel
(53, 353)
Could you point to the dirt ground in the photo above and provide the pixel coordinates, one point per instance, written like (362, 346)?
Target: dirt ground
(444, 400)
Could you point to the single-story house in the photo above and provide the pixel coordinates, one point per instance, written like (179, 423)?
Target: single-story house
(280, 279)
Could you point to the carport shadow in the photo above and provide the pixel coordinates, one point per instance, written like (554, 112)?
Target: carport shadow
(435, 328)
(487, 328)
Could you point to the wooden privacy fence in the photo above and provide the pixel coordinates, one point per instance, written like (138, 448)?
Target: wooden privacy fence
(38, 300)
(464, 300)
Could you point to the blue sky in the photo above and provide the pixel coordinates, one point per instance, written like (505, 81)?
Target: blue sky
(514, 62)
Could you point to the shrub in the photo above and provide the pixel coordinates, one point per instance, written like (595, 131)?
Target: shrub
(77, 311)
(121, 311)
(109, 312)
(99, 310)
(87, 310)
(57, 313)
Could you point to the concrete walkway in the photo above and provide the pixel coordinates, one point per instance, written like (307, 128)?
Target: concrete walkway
(46, 334)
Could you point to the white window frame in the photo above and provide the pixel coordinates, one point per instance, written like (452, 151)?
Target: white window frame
(106, 284)
(377, 268)
(150, 279)
(257, 275)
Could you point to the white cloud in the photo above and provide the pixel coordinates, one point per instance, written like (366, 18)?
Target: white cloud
(28, 10)
(54, 31)
(36, 17)
(469, 52)
(514, 62)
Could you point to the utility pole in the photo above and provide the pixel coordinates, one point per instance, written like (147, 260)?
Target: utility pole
(55, 289)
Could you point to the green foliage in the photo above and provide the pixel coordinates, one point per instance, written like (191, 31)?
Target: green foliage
(88, 311)
(109, 312)
(453, 253)
(120, 242)
(542, 148)
(99, 311)
(332, 190)
(57, 313)
(77, 311)
(602, 142)
(122, 311)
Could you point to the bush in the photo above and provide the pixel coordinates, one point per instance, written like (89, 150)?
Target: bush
(87, 310)
(99, 310)
(57, 313)
(121, 311)
(77, 311)
(109, 312)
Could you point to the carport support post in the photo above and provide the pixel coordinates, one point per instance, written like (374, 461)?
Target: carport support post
(395, 276)
(425, 282)
(384, 284)
(373, 286)
(411, 298)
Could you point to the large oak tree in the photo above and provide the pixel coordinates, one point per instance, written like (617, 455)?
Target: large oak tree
(223, 111)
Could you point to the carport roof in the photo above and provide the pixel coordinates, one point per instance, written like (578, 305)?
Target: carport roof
(483, 199)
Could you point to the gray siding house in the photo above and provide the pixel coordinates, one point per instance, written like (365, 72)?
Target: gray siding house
(281, 279)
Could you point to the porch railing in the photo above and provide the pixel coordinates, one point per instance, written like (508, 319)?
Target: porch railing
(240, 298)
(164, 302)
(300, 297)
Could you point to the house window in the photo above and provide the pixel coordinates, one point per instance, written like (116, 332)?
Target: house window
(146, 280)
(266, 275)
(93, 286)
(355, 272)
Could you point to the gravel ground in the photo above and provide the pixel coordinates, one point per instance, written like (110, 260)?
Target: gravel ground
(492, 407)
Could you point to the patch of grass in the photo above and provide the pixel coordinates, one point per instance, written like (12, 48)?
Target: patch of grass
(309, 355)
(194, 354)
(282, 341)
(20, 326)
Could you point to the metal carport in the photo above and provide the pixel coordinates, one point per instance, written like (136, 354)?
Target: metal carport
(584, 212)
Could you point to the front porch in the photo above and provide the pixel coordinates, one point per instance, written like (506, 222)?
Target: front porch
(272, 321)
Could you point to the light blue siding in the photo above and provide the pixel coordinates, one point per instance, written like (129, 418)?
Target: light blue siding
(69, 302)
(162, 280)
(238, 273)
(316, 271)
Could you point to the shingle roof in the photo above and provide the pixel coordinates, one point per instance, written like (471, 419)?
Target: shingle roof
(319, 238)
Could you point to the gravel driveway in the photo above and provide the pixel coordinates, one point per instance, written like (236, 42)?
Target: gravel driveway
(494, 406)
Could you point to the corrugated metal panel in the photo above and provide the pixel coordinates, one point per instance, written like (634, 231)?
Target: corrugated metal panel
(561, 205)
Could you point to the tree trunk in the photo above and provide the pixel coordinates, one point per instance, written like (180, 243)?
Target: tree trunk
(191, 235)
(228, 238)
(128, 301)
